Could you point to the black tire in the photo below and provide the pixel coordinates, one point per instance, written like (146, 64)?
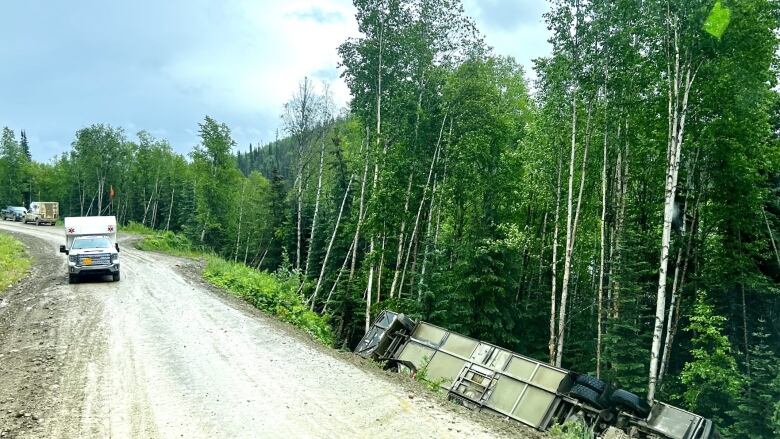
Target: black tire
(116, 276)
(37, 222)
(73, 278)
(591, 383)
(630, 402)
(585, 394)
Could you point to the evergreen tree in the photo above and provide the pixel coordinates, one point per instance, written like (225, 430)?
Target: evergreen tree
(25, 145)
(755, 403)
(711, 378)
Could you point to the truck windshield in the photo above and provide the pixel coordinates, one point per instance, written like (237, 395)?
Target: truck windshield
(91, 243)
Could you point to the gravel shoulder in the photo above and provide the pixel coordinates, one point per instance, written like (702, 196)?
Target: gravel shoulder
(163, 354)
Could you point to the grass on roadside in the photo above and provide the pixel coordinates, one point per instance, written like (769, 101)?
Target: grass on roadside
(274, 293)
(14, 263)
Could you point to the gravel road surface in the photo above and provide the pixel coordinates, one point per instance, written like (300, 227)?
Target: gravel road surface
(160, 354)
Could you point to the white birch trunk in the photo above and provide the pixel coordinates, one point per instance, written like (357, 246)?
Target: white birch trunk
(361, 215)
(330, 246)
(771, 236)
(672, 171)
(316, 209)
(240, 220)
(170, 210)
(372, 267)
(422, 203)
(338, 277)
(602, 237)
(554, 265)
(401, 237)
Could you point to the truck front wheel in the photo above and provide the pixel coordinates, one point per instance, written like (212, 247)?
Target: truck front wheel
(73, 278)
(116, 276)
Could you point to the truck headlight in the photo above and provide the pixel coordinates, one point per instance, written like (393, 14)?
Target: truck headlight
(72, 258)
(114, 257)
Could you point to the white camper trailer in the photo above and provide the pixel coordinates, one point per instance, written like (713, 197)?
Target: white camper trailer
(91, 247)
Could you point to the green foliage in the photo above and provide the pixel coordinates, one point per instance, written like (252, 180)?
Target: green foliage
(137, 229)
(718, 20)
(572, 430)
(14, 263)
(711, 377)
(755, 405)
(168, 242)
(470, 247)
(422, 376)
(276, 294)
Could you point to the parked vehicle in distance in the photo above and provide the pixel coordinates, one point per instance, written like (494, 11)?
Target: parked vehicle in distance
(42, 212)
(91, 247)
(14, 213)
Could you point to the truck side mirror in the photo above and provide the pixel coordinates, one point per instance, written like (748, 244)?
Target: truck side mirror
(63, 250)
(117, 247)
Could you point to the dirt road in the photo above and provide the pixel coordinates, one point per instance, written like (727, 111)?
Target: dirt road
(161, 355)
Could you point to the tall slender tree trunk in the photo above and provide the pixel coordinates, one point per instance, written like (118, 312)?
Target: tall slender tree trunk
(361, 213)
(240, 220)
(422, 203)
(330, 245)
(677, 117)
(678, 280)
(299, 208)
(771, 235)
(316, 209)
(381, 266)
(401, 237)
(426, 250)
(170, 210)
(554, 264)
(602, 238)
(372, 267)
(571, 225)
(338, 277)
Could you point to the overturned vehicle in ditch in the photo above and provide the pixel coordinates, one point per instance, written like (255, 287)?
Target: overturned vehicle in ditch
(485, 377)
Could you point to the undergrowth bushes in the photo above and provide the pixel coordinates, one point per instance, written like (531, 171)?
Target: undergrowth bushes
(169, 242)
(13, 261)
(275, 293)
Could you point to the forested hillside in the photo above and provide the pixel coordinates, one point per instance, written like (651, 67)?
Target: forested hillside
(618, 215)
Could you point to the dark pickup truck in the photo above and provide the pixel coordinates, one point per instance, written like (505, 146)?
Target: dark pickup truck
(13, 213)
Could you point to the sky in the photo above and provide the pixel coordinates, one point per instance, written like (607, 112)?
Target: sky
(161, 66)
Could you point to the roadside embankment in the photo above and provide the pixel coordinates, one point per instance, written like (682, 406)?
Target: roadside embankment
(274, 293)
(14, 263)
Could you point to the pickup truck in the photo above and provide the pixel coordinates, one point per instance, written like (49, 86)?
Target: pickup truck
(13, 213)
(485, 377)
(41, 212)
(91, 247)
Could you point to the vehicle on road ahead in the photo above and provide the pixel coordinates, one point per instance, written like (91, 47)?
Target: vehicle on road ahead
(91, 247)
(42, 212)
(14, 213)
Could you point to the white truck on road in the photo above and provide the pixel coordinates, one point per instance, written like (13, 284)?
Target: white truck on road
(42, 212)
(91, 247)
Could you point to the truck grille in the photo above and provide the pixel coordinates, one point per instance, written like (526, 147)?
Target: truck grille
(97, 259)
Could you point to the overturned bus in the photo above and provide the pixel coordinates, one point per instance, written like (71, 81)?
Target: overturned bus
(485, 377)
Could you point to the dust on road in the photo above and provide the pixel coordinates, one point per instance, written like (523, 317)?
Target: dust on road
(159, 354)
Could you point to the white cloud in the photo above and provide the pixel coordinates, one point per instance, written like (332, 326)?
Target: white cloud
(162, 66)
